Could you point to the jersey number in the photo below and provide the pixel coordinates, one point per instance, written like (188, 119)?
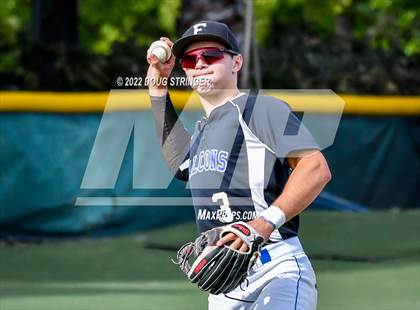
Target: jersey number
(227, 215)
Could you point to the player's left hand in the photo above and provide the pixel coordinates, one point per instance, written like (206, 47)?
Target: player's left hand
(263, 227)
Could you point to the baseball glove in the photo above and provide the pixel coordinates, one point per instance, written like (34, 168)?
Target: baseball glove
(219, 269)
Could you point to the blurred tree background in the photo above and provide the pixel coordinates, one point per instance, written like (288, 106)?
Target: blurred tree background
(368, 46)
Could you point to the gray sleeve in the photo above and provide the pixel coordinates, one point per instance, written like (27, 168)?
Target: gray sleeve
(275, 125)
(173, 139)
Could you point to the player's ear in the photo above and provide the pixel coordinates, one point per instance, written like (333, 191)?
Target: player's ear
(237, 63)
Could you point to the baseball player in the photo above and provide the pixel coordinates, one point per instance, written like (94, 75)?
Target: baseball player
(241, 165)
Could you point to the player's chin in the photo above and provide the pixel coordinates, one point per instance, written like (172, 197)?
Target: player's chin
(203, 90)
(204, 87)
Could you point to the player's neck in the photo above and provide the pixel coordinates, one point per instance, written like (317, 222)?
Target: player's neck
(210, 102)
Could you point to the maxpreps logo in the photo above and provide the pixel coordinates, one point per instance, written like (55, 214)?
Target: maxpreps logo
(209, 160)
(118, 132)
(219, 215)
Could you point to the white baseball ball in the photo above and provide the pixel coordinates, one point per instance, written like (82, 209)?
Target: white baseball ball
(161, 50)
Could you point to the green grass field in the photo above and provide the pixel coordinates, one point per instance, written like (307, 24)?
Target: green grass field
(121, 273)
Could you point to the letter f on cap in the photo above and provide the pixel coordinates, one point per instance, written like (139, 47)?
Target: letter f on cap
(198, 27)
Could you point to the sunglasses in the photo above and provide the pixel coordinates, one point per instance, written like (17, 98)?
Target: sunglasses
(208, 54)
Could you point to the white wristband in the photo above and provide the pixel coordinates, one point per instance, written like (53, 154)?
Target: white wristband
(274, 215)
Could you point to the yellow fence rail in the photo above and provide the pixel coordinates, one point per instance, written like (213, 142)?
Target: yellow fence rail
(21, 101)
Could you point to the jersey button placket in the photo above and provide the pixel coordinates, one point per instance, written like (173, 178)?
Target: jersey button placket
(204, 137)
(204, 124)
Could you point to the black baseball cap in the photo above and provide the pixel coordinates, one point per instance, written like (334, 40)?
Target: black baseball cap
(206, 31)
